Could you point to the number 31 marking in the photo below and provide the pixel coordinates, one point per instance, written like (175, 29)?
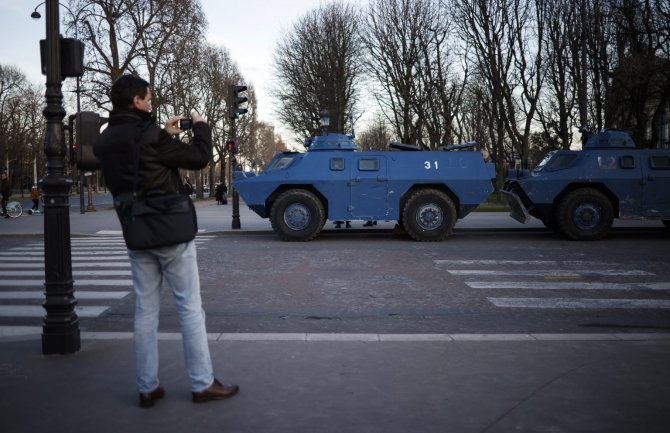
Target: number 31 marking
(427, 165)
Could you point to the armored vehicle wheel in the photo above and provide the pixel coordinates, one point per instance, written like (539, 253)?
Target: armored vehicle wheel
(297, 215)
(585, 215)
(429, 215)
(550, 224)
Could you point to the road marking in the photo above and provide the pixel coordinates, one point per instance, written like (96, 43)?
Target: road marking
(39, 311)
(551, 272)
(558, 275)
(74, 259)
(78, 273)
(118, 234)
(40, 265)
(74, 248)
(543, 285)
(78, 282)
(522, 263)
(79, 294)
(40, 253)
(580, 303)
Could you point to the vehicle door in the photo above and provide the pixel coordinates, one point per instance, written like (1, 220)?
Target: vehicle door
(656, 184)
(368, 187)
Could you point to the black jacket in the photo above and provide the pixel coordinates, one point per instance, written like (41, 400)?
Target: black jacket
(160, 154)
(6, 189)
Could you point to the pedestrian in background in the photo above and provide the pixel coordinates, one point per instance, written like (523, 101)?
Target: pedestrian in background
(35, 197)
(6, 190)
(218, 193)
(161, 155)
(188, 188)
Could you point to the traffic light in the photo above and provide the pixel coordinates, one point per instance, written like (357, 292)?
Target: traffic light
(230, 147)
(86, 131)
(234, 101)
(71, 57)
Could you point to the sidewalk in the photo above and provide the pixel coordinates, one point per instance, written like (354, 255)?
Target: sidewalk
(217, 219)
(347, 386)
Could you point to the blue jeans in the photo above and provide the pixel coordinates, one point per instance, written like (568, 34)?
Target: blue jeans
(178, 265)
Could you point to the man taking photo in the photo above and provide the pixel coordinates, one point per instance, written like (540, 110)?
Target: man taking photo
(160, 156)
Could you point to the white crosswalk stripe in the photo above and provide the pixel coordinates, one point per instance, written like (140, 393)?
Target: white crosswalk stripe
(554, 277)
(100, 263)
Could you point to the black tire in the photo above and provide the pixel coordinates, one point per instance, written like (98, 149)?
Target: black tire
(666, 223)
(585, 215)
(297, 215)
(550, 224)
(429, 215)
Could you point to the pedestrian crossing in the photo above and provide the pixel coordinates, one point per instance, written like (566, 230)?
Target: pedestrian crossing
(100, 270)
(590, 284)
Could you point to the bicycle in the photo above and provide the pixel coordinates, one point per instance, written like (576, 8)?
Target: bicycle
(14, 209)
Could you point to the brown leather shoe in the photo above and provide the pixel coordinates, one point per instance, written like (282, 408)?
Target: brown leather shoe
(147, 398)
(217, 391)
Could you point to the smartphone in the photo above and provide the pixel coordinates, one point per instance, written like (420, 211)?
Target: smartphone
(185, 124)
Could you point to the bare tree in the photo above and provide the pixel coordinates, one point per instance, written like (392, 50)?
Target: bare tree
(132, 36)
(266, 142)
(215, 71)
(317, 65)
(640, 89)
(393, 36)
(12, 83)
(441, 88)
(21, 127)
(506, 37)
(377, 136)
(556, 110)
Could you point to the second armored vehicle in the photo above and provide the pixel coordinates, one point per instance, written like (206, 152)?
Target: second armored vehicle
(579, 193)
(425, 191)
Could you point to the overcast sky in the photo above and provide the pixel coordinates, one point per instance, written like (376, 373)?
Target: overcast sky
(248, 28)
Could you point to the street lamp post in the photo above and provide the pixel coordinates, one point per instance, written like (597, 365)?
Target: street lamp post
(82, 178)
(60, 329)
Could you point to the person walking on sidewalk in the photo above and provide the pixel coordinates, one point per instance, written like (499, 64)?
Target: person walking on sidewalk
(161, 155)
(35, 197)
(6, 190)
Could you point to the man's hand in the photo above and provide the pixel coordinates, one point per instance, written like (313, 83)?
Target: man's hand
(171, 125)
(196, 117)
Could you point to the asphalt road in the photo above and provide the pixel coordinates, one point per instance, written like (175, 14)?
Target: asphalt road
(475, 282)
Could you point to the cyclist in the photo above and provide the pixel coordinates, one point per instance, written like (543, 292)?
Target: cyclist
(6, 190)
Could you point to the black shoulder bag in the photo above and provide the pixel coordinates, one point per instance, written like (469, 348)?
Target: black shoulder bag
(154, 220)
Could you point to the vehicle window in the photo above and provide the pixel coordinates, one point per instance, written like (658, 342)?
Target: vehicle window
(545, 160)
(279, 163)
(561, 162)
(368, 164)
(627, 161)
(660, 162)
(337, 164)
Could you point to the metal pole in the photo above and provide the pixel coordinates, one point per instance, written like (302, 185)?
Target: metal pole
(236, 197)
(60, 329)
(81, 172)
(89, 185)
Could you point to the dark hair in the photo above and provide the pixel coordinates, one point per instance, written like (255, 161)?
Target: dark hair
(125, 88)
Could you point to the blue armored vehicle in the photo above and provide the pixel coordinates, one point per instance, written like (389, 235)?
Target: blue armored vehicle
(579, 193)
(425, 191)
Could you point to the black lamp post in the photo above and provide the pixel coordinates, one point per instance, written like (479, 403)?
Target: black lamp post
(60, 329)
(82, 179)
